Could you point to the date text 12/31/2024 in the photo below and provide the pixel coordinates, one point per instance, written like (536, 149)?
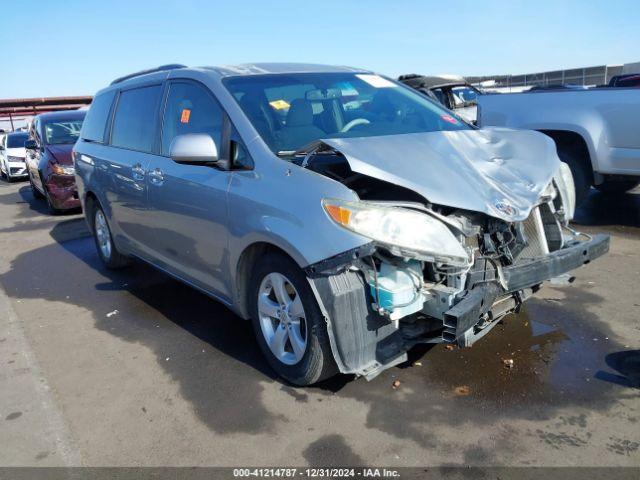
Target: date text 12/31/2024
(316, 472)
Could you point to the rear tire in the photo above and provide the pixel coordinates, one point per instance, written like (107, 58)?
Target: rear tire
(610, 187)
(107, 250)
(295, 320)
(582, 176)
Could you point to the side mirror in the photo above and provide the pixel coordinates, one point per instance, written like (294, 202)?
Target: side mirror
(193, 148)
(31, 145)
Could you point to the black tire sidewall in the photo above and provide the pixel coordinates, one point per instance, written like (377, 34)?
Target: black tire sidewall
(581, 176)
(34, 189)
(317, 362)
(52, 209)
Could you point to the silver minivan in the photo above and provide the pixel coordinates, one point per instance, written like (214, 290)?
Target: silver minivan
(347, 215)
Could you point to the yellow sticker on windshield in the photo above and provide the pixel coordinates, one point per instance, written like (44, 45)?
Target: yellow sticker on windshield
(279, 104)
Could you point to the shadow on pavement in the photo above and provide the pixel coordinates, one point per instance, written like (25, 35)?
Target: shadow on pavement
(627, 364)
(208, 345)
(609, 209)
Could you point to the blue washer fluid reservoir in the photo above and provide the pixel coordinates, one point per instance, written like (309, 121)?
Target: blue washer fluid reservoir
(399, 288)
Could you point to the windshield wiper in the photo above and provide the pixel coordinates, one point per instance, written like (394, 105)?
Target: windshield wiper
(308, 152)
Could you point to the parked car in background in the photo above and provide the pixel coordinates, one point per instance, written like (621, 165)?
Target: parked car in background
(49, 162)
(556, 86)
(595, 131)
(347, 235)
(626, 80)
(451, 91)
(12, 156)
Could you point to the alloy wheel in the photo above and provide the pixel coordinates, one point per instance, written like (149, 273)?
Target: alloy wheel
(102, 234)
(282, 318)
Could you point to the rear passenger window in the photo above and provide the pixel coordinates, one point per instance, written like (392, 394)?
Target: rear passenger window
(96, 120)
(190, 109)
(135, 119)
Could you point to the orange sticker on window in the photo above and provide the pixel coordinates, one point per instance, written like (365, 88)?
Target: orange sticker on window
(186, 113)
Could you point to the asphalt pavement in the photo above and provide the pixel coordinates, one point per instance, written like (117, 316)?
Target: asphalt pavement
(134, 368)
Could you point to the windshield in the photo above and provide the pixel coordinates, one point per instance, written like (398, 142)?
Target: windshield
(464, 96)
(61, 132)
(290, 111)
(16, 140)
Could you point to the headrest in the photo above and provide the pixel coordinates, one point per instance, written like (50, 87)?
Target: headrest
(300, 113)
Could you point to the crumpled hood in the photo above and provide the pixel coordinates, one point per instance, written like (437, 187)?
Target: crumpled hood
(62, 153)
(498, 171)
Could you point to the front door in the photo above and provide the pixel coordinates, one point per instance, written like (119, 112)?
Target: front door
(133, 146)
(188, 203)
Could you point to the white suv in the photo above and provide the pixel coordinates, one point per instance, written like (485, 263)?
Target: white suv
(12, 155)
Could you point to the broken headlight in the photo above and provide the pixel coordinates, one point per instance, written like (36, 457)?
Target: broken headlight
(400, 230)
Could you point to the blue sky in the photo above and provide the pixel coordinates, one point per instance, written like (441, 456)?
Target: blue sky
(75, 47)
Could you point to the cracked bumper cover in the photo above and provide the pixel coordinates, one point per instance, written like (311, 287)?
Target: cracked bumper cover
(365, 343)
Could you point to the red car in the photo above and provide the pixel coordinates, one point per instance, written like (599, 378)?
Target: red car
(628, 80)
(49, 163)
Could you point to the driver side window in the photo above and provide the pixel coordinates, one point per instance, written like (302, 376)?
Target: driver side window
(190, 108)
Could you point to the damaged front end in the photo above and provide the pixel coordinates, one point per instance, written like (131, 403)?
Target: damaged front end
(435, 273)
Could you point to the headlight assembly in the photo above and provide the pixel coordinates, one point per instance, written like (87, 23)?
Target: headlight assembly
(63, 169)
(399, 229)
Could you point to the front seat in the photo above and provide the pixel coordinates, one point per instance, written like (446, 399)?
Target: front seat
(299, 129)
(253, 105)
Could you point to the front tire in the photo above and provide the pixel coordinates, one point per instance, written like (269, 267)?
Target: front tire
(107, 250)
(34, 190)
(582, 176)
(50, 206)
(287, 321)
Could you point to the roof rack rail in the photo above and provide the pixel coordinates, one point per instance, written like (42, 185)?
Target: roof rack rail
(170, 66)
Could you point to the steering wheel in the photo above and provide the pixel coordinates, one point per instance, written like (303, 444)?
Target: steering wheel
(353, 123)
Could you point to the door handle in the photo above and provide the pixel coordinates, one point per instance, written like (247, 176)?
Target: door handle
(137, 172)
(156, 177)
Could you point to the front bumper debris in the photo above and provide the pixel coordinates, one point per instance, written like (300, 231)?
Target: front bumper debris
(366, 343)
(490, 301)
(556, 263)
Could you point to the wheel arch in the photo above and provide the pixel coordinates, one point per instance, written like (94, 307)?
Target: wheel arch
(570, 140)
(90, 202)
(246, 261)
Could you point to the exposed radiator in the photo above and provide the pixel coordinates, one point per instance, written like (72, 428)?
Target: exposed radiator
(537, 241)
